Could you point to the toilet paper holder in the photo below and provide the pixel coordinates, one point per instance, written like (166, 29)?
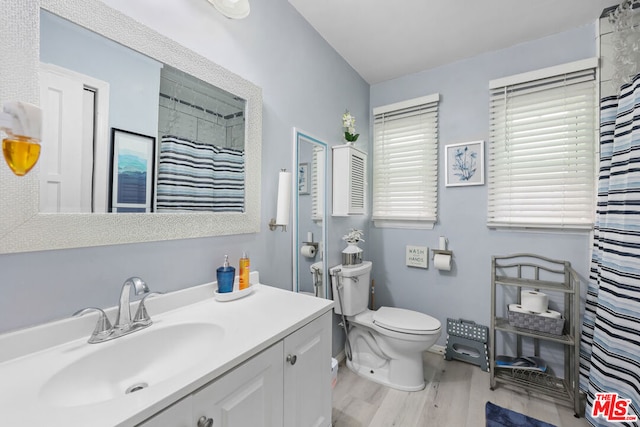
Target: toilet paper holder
(442, 248)
(441, 252)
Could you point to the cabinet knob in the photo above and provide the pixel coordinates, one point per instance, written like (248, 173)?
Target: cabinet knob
(205, 422)
(292, 358)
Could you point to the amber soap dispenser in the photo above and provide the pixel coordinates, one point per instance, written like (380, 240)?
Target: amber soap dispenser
(244, 272)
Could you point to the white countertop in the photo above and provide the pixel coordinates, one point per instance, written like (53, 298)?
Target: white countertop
(28, 358)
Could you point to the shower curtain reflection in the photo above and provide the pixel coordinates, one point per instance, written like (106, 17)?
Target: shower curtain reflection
(194, 176)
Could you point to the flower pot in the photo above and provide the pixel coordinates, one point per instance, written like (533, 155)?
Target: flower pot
(352, 255)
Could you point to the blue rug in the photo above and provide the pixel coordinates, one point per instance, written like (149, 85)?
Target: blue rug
(501, 417)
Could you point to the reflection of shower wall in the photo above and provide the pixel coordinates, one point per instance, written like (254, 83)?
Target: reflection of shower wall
(176, 118)
(235, 132)
(197, 111)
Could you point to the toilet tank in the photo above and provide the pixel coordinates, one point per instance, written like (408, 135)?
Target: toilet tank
(355, 287)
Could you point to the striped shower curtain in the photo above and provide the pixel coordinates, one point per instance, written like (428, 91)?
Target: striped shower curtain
(610, 342)
(194, 176)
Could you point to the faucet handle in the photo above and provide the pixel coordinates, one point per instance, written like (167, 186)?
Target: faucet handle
(142, 317)
(103, 326)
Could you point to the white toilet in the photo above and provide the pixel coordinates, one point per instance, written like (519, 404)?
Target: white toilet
(386, 344)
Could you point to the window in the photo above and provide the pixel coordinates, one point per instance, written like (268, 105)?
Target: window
(542, 151)
(405, 163)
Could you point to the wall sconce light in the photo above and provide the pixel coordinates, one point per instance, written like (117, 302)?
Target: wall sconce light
(234, 9)
(284, 202)
(22, 124)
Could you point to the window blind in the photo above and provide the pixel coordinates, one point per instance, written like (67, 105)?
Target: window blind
(542, 155)
(405, 161)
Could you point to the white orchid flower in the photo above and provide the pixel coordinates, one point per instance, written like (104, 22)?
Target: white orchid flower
(349, 123)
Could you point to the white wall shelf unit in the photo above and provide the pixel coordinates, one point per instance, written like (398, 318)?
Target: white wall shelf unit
(509, 276)
(349, 181)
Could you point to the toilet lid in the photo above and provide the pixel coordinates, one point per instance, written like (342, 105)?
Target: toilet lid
(408, 321)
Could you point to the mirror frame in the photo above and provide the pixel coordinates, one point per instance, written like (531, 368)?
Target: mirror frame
(22, 227)
(297, 135)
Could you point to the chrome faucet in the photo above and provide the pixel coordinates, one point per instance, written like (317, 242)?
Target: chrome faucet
(123, 319)
(124, 324)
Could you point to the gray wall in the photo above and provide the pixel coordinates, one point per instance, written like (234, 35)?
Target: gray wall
(305, 84)
(464, 292)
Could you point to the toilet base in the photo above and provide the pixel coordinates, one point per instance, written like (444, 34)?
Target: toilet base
(365, 367)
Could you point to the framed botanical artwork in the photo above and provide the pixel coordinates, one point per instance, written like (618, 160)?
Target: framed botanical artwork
(303, 178)
(464, 164)
(132, 171)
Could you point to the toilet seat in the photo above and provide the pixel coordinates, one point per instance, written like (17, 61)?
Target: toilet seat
(405, 321)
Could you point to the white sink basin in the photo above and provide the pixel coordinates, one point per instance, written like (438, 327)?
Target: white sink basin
(131, 363)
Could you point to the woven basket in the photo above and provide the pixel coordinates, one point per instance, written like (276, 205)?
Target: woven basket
(537, 323)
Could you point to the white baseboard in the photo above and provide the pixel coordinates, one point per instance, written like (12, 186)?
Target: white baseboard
(438, 349)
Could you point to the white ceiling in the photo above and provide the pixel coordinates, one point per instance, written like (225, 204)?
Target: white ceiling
(385, 39)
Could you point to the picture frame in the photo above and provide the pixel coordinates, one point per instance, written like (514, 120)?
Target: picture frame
(132, 172)
(303, 178)
(464, 164)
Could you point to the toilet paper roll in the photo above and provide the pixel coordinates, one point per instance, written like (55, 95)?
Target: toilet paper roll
(517, 308)
(284, 198)
(551, 313)
(308, 251)
(533, 301)
(442, 262)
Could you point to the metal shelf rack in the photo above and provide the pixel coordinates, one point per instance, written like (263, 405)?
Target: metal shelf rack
(555, 277)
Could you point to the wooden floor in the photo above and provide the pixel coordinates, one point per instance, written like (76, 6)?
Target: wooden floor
(455, 396)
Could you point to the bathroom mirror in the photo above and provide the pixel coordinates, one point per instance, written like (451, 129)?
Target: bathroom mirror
(23, 228)
(310, 213)
(178, 142)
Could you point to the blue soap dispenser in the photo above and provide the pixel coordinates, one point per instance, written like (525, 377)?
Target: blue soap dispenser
(225, 275)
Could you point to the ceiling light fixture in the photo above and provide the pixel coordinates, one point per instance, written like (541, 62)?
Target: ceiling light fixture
(234, 9)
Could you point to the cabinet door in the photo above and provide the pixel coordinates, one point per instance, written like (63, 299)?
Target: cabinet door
(176, 415)
(249, 395)
(349, 180)
(307, 375)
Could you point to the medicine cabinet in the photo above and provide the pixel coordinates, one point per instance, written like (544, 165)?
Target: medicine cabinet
(349, 181)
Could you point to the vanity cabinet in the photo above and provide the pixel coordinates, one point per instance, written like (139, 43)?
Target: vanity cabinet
(249, 395)
(307, 375)
(288, 384)
(349, 180)
(177, 415)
